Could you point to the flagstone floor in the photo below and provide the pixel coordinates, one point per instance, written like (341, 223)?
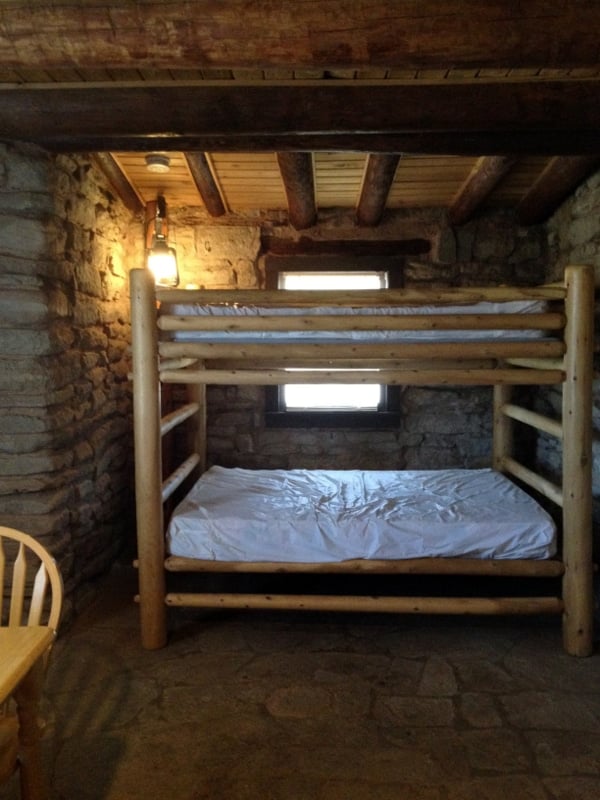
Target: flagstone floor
(289, 706)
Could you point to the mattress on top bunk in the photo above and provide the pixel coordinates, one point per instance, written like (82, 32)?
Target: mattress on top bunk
(319, 516)
(232, 311)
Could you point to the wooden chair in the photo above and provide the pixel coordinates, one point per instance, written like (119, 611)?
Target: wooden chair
(31, 593)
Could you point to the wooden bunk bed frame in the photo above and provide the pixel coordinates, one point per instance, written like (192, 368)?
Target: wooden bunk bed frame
(565, 358)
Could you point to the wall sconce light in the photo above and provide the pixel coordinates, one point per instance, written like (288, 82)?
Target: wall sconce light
(161, 259)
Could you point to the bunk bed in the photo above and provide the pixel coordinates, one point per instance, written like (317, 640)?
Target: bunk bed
(502, 337)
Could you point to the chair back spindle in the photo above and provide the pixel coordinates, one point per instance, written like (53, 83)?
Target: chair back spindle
(31, 593)
(30, 584)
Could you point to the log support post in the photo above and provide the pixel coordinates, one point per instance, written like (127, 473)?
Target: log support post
(197, 394)
(503, 427)
(148, 467)
(577, 462)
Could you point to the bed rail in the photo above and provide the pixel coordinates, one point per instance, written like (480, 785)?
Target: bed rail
(405, 377)
(372, 322)
(357, 298)
(513, 567)
(533, 419)
(390, 605)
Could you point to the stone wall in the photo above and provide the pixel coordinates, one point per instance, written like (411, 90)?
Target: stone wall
(66, 244)
(440, 426)
(574, 238)
(574, 231)
(65, 407)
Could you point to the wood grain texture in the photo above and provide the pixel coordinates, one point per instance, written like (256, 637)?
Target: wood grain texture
(335, 115)
(234, 34)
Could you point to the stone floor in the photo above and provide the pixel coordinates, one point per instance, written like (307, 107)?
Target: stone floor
(280, 706)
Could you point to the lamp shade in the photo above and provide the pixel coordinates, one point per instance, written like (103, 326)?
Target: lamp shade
(162, 262)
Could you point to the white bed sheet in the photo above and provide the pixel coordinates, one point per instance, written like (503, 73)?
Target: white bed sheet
(227, 311)
(333, 515)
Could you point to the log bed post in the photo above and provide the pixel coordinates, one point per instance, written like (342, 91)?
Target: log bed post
(197, 394)
(148, 469)
(503, 430)
(577, 462)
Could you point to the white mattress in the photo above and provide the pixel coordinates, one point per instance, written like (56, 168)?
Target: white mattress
(323, 516)
(227, 311)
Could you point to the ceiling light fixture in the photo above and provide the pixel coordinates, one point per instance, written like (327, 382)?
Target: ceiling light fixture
(162, 259)
(157, 162)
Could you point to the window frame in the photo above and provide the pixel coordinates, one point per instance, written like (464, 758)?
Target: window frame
(388, 413)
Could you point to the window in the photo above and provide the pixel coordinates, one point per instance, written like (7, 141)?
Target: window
(336, 405)
(331, 396)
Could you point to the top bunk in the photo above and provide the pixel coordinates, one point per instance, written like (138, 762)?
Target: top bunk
(475, 335)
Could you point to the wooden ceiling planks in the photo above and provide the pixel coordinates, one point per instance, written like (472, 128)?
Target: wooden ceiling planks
(338, 178)
(423, 181)
(513, 187)
(559, 178)
(253, 182)
(176, 183)
(250, 181)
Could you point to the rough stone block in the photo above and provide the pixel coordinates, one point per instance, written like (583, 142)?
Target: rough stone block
(25, 342)
(582, 230)
(37, 503)
(33, 463)
(26, 168)
(22, 237)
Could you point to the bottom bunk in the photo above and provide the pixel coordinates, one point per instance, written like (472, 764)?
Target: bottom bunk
(379, 522)
(320, 516)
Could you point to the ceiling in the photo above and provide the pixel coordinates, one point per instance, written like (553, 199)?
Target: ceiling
(297, 107)
(248, 182)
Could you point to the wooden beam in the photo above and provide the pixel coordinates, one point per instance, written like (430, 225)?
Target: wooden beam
(118, 182)
(558, 180)
(297, 175)
(234, 33)
(484, 177)
(379, 176)
(376, 248)
(546, 117)
(481, 143)
(205, 183)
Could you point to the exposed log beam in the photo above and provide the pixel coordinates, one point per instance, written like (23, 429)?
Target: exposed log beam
(351, 248)
(452, 143)
(297, 175)
(505, 118)
(235, 33)
(379, 176)
(484, 177)
(205, 183)
(559, 179)
(117, 180)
